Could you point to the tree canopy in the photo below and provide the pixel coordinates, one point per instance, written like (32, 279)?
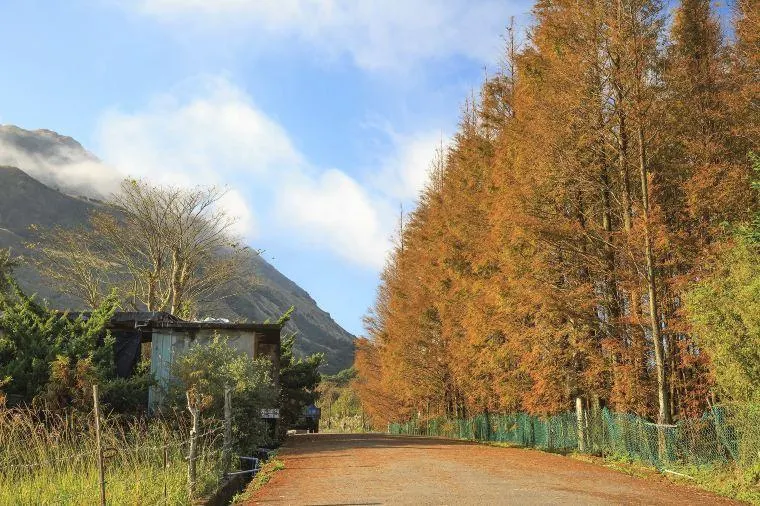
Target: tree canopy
(586, 191)
(164, 248)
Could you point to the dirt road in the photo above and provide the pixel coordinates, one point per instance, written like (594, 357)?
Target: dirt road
(369, 469)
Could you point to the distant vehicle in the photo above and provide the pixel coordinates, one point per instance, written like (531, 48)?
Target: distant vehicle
(312, 415)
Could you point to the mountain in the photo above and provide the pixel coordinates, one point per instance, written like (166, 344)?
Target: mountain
(58, 161)
(48, 194)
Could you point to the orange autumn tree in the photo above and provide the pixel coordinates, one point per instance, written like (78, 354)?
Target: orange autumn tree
(546, 261)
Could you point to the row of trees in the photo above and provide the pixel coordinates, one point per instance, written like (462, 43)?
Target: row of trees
(599, 179)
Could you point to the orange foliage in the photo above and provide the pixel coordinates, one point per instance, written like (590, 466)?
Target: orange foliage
(521, 280)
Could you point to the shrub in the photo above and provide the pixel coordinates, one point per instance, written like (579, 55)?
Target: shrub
(205, 370)
(47, 358)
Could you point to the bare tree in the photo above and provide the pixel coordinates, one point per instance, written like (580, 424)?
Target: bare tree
(72, 259)
(163, 248)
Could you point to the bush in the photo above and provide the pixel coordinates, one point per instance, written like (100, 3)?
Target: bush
(49, 359)
(205, 370)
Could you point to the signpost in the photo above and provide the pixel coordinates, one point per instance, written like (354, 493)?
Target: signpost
(270, 413)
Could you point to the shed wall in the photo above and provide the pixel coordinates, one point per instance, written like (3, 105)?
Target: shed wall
(167, 344)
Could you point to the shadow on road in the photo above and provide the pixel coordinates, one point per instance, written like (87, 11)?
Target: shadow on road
(303, 443)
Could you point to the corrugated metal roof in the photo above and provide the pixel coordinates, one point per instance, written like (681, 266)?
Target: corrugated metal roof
(164, 320)
(201, 325)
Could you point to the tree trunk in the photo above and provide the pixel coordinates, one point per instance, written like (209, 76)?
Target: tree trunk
(151, 293)
(178, 283)
(663, 390)
(625, 197)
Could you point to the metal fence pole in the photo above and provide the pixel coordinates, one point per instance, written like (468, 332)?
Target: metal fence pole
(101, 471)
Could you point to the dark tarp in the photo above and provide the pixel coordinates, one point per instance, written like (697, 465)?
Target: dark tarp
(126, 350)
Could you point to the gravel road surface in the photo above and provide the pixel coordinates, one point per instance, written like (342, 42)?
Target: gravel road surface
(372, 469)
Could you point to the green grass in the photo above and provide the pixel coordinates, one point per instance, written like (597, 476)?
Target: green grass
(727, 480)
(723, 479)
(52, 460)
(262, 478)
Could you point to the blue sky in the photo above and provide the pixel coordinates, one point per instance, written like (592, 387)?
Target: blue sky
(320, 115)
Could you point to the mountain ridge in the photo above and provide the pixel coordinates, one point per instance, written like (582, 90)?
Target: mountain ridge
(25, 200)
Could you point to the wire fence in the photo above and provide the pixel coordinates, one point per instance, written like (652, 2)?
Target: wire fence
(721, 435)
(142, 466)
(55, 458)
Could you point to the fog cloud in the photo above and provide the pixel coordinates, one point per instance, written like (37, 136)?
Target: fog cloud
(57, 161)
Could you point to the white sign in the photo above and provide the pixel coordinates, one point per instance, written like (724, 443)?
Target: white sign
(270, 413)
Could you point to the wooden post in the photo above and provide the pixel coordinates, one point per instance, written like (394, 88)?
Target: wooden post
(581, 424)
(191, 476)
(427, 432)
(227, 428)
(101, 471)
(166, 465)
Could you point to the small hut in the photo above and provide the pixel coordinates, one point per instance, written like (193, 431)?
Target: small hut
(169, 336)
(170, 339)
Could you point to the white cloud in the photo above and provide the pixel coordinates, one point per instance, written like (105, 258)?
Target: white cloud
(210, 132)
(235, 204)
(405, 171)
(333, 210)
(56, 161)
(205, 130)
(376, 34)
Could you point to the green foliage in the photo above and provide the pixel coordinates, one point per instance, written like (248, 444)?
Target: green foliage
(286, 316)
(299, 379)
(45, 355)
(724, 309)
(25, 348)
(342, 378)
(7, 264)
(206, 369)
(344, 413)
(340, 403)
(347, 404)
(129, 395)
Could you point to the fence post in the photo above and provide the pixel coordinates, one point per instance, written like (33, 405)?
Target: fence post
(101, 471)
(166, 465)
(191, 477)
(581, 424)
(227, 428)
(427, 424)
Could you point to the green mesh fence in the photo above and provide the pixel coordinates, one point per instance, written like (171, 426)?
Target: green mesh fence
(719, 436)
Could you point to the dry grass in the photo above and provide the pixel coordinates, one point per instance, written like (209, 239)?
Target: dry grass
(51, 458)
